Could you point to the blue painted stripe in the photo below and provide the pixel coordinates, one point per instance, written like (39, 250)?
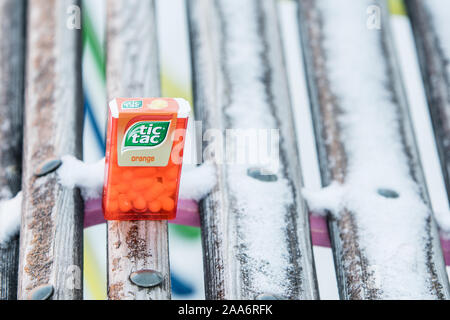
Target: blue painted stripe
(179, 287)
(89, 114)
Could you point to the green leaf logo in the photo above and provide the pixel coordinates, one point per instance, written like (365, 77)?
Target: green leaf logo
(146, 134)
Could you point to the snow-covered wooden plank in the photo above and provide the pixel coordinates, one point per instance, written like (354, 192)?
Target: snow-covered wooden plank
(133, 71)
(51, 241)
(431, 22)
(384, 237)
(256, 236)
(12, 49)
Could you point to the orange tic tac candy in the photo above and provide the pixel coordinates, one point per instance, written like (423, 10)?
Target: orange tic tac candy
(144, 152)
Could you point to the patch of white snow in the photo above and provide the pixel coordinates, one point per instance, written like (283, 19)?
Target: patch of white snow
(369, 121)
(10, 215)
(195, 183)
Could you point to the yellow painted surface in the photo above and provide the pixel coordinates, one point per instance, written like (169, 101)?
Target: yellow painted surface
(96, 286)
(397, 7)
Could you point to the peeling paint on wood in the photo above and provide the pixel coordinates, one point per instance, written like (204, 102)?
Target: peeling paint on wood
(52, 222)
(133, 71)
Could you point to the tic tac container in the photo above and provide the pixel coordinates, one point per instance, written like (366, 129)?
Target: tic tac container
(144, 152)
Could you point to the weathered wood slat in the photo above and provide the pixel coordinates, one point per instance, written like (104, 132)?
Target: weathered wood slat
(431, 22)
(133, 71)
(12, 49)
(384, 248)
(51, 239)
(256, 237)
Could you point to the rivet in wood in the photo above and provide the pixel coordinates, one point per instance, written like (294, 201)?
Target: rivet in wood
(47, 167)
(43, 292)
(261, 175)
(388, 193)
(146, 278)
(268, 296)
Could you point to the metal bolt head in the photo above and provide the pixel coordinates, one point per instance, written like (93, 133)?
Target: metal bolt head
(261, 175)
(47, 167)
(388, 193)
(146, 278)
(43, 292)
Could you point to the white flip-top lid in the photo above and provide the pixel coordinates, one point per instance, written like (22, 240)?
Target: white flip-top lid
(184, 108)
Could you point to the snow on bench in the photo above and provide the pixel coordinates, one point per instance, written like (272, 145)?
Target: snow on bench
(384, 237)
(431, 22)
(256, 235)
(255, 226)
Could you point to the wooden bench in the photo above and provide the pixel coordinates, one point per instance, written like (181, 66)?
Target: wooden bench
(255, 230)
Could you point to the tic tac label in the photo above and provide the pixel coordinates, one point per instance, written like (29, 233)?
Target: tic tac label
(145, 134)
(144, 152)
